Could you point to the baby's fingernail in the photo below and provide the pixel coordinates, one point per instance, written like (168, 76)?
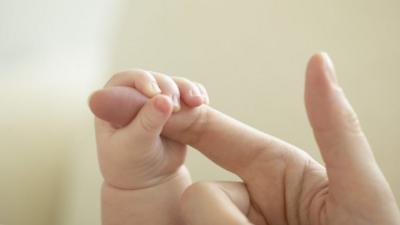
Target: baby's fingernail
(203, 94)
(176, 102)
(194, 92)
(207, 99)
(154, 89)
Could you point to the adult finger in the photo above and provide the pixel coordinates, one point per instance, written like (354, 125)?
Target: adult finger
(228, 142)
(215, 203)
(335, 124)
(348, 157)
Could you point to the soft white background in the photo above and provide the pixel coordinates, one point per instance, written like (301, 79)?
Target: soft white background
(250, 55)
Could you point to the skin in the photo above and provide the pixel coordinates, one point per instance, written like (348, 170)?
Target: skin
(143, 171)
(281, 183)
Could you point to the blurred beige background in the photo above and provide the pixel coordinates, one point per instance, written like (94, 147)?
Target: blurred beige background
(251, 56)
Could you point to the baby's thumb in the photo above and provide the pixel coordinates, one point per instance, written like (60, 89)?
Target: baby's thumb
(151, 119)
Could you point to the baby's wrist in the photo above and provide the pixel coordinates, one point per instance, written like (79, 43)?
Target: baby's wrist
(152, 205)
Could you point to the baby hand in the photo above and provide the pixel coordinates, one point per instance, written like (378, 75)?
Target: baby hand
(132, 153)
(143, 171)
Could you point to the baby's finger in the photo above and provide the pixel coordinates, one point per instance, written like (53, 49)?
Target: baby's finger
(191, 93)
(168, 87)
(151, 118)
(141, 80)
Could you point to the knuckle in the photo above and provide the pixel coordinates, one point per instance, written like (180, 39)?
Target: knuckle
(349, 118)
(351, 122)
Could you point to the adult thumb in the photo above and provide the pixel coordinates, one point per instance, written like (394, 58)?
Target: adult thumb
(344, 147)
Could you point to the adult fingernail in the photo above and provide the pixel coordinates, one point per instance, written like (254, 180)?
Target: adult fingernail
(329, 68)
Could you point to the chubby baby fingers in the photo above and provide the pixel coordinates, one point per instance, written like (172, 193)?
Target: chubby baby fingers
(151, 83)
(169, 88)
(192, 93)
(142, 80)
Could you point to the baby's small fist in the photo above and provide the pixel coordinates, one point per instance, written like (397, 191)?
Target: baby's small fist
(132, 112)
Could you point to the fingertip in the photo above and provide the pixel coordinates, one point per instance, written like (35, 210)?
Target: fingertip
(320, 66)
(320, 81)
(318, 57)
(94, 101)
(163, 104)
(196, 95)
(314, 65)
(195, 101)
(203, 90)
(193, 96)
(89, 99)
(176, 103)
(152, 117)
(319, 94)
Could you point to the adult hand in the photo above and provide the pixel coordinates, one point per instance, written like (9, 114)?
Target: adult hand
(283, 185)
